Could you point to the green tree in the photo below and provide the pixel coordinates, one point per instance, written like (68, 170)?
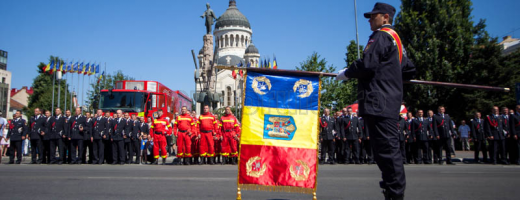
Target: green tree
(107, 82)
(439, 37)
(42, 87)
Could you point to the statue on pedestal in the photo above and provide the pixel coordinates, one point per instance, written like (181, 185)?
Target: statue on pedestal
(210, 18)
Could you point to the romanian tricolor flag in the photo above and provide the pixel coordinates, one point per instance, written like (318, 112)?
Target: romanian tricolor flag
(81, 67)
(86, 69)
(100, 77)
(74, 68)
(279, 141)
(275, 65)
(48, 66)
(53, 67)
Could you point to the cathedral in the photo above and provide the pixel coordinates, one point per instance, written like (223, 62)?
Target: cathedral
(233, 45)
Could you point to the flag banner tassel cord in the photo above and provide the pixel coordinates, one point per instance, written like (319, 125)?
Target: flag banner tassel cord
(269, 188)
(421, 82)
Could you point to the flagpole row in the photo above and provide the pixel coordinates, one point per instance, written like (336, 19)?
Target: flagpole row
(53, 79)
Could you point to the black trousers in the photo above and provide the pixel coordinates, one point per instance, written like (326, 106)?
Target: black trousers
(128, 150)
(15, 146)
(136, 147)
(411, 151)
(46, 151)
(87, 144)
(352, 151)
(480, 146)
(118, 151)
(169, 145)
(36, 150)
(444, 143)
(98, 151)
(385, 144)
(327, 147)
(433, 148)
(53, 143)
(366, 153)
(339, 152)
(498, 149)
(512, 149)
(76, 156)
(64, 148)
(423, 155)
(108, 156)
(402, 149)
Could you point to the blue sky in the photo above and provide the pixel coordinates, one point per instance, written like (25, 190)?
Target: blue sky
(152, 39)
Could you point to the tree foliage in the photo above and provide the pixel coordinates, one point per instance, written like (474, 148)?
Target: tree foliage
(446, 45)
(42, 87)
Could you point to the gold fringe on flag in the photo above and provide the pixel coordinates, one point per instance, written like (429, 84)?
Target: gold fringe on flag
(276, 188)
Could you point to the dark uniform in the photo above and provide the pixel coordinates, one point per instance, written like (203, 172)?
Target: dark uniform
(421, 130)
(87, 143)
(76, 137)
(135, 142)
(350, 131)
(46, 139)
(338, 145)
(37, 126)
(67, 142)
(366, 149)
(380, 77)
(59, 129)
(107, 141)
(515, 134)
(99, 130)
(411, 148)
(128, 132)
(494, 128)
(402, 131)
(118, 143)
(17, 129)
(479, 139)
(509, 141)
(444, 128)
(328, 130)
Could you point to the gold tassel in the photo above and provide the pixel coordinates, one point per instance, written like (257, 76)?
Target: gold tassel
(239, 194)
(270, 188)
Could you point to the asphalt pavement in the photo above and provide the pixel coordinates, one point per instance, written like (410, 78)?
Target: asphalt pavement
(462, 181)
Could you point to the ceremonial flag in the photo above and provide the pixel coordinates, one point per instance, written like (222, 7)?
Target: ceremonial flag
(100, 77)
(97, 69)
(256, 64)
(234, 74)
(85, 69)
(61, 66)
(80, 68)
(265, 63)
(278, 145)
(92, 69)
(275, 66)
(74, 67)
(48, 66)
(53, 67)
(269, 63)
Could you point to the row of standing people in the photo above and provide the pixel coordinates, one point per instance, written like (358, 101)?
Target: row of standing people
(421, 138)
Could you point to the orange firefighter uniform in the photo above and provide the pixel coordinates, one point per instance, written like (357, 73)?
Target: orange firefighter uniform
(160, 128)
(183, 129)
(207, 129)
(230, 131)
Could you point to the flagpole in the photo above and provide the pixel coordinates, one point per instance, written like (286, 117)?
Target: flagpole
(357, 35)
(82, 93)
(78, 89)
(59, 92)
(53, 79)
(66, 88)
(104, 77)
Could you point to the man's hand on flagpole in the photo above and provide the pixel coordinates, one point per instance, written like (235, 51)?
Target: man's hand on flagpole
(341, 75)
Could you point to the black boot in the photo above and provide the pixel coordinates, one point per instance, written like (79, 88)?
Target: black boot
(234, 161)
(163, 161)
(210, 159)
(186, 161)
(218, 160)
(224, 159)
(156, 162)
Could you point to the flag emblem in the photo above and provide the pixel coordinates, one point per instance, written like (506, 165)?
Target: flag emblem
(303, 88)
(255, 168)
(261, 85)
(279, 127)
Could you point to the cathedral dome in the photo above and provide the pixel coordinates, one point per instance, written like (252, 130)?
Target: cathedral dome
(251, 49)
(232, 17)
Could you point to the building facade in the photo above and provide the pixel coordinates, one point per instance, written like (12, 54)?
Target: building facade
(5, 85)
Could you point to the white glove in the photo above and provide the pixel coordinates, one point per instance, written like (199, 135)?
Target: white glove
(341, 75)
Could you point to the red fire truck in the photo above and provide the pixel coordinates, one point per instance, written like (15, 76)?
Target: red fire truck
(143, 98)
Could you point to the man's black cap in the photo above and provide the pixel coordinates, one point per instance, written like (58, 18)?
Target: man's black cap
(381, 8)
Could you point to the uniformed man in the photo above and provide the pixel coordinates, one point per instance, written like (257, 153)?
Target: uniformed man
(444, 129)
(88, 140)
(421, 130)
(99, 132)
(16, 133)
(183, 130)
(479, 137)
(208, 126)
(117, 138)
(37, 127)
(351, 137)
(107, 143)
(366, 149)
(515, 134)
(195, 140)
(160, 128)
(328, 131)
(433, 139)
(380, 77)
(338, 145)
(46, 137)
(68, 121)
(218, 142)
(509, 141)
(231, 131)
(411, 148)
(495, 133)
(79, 129)
(135, 142)
(126, 137)
(57, 135)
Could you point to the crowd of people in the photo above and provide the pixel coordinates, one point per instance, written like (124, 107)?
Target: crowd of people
(423, 137)
(121, 138)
